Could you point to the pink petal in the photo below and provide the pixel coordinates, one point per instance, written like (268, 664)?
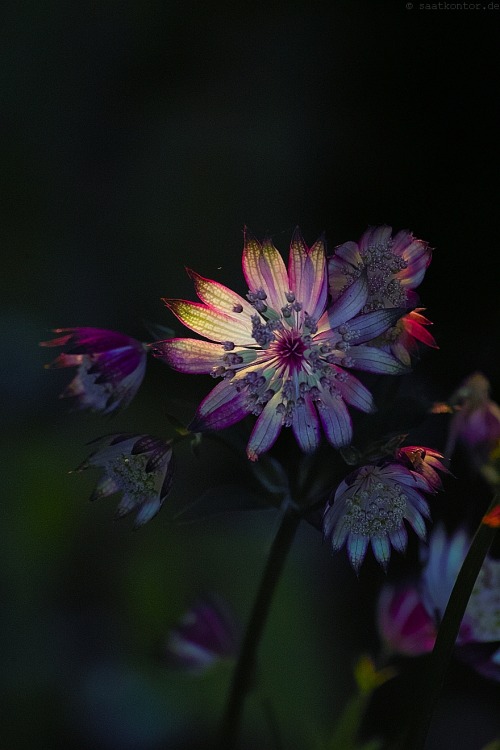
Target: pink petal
(264, 269)
(219, 296)
(214, 325)
(307, 274)
(188, 355)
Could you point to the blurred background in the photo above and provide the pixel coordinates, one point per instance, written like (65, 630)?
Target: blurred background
(137, 138)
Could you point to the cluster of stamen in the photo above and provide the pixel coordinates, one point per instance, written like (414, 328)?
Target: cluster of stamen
(129, 472)
(382, 265)
(377, 511)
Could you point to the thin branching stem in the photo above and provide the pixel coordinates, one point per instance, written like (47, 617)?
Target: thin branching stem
(244, 673)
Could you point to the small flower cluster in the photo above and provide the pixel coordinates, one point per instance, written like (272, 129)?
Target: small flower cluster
(373, 502)
(138, 466)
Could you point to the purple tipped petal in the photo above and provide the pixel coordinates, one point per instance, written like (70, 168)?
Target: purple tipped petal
(307, 274)
(213, 325)
(223, 407)
(219, 297)
(264, 269)
(188, 355)
(111, 367)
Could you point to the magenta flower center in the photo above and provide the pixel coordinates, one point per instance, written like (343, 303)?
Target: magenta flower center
(289, 347)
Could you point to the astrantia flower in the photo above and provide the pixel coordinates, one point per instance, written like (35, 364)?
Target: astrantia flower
(281, 354)
(476, 423)
(140, 467)
(424, 461)
(111, 367)
(371, 506)
(206, 633)
(442, 560)
(403, 338)
(403, 623)
(394, 268)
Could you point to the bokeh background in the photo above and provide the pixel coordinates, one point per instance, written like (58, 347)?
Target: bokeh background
(139, 137)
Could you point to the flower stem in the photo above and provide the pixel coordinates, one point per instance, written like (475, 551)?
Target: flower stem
(244, 673)
(448, 632)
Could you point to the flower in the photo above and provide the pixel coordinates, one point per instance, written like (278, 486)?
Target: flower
(394, 268)
(476, 421)
(424, 461)
(371, 505)
(281, 354)
(479, 634)
(111, 367)
(140, 467)
(493, 518)
(206, 633)
(403, 623)
(408, 615)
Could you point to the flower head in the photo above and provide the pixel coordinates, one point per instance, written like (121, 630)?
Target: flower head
(476, 421)
(442, 562)
(394, 266)
(206, 633)
(111, 367)
(408, 615)
(281, 354)
(371, 505)
(479, 635)
(140, 467)
(424, 461)
(403, 623)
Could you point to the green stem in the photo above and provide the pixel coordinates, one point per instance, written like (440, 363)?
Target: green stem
(243, 677)
(448, 632)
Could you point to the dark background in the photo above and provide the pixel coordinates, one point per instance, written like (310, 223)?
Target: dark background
(138, 138)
